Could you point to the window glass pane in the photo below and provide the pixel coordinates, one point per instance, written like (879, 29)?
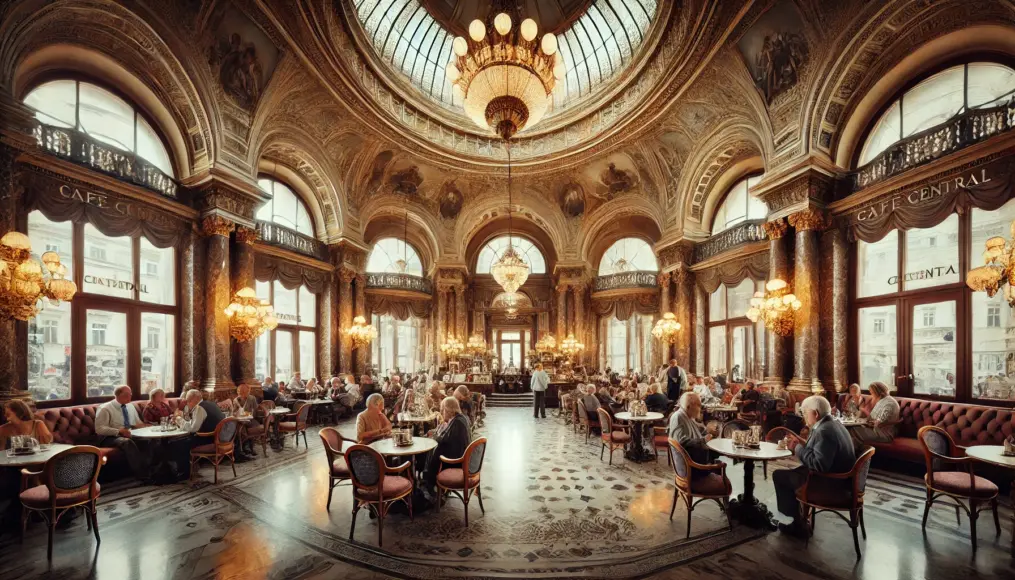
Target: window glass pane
(739, 298)
(308, 354)
(109, 264)
(158, 347)
(934, 349)
(393, 255)
(742, 354)
(985, 224)
(511, 335)
(933, 101)
(495, 248)
(993, 358)
(616, 346)
(263, 290)
(717, 350)
(285, 304)
(990, 84)
(262, 344)
(106, 117)
(49, 347)
(308, 308)
(878, 265)
(158, 274)
(886, 132)
(878, 346)
(47, 236)
(150, 147)
(628, 254)
(932, 255)
(105, 351)
(283, 355)
(717, 304)
(55, 103)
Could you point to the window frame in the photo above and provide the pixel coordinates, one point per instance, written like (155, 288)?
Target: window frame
(294, 330)
(722, 201)
(271, 203)
(758, 340)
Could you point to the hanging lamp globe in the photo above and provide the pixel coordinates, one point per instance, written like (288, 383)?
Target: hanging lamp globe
(510, 271)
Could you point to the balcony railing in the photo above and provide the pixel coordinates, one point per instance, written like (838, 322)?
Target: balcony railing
(742, 233)
(635, 279)
(79, 148)
(283, 237)
(959, 132)
(391, 281)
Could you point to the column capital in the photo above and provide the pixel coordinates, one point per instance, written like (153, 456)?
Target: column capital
(663, 279)
(810, 219)
(245, 235)
(776, 228)
(216, 225)
(222, 193)
(346, 274)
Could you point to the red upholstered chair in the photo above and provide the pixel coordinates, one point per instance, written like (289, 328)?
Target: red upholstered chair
(612, 439)
(661, 441)
(296, 423)
(710, 483)
(462, 481)
(338, 469)
(586, 423)
(219, 449)
(838, 492)
(70, 480)
(939, 451)
(377, 486)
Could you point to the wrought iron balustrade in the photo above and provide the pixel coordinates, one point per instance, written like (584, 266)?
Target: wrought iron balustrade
(620, 280)
(84, 150)
(960, 131)
(283, 237)
(742, 233)
(392, 281)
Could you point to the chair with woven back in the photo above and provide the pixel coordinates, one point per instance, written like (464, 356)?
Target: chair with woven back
(222, 446)
(940, 450)
(338, 468)
(610, 438)
(836, 493)
(661, 441)
(462, 481)
(376, 486)
(259, 432)
(69, 481)
(296, 423)
(699, 481)
(587, 424)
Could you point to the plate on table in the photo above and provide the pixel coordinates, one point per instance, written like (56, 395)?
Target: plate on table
(24, 451)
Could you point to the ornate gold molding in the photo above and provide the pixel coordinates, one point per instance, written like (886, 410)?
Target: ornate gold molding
(215, 225)
(776, 228)
(810, 219)
(347, 274)
(246, 235)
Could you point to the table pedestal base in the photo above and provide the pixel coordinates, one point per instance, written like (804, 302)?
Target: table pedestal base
(746, 508)
(636, 449)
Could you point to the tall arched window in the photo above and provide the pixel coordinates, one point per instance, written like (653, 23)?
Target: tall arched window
(740, 205)
(101, 115)
(394, 256)
(494, 249)
(937, 99)
(292, 346)
(736, 346)
(285, 208)
(627, 255)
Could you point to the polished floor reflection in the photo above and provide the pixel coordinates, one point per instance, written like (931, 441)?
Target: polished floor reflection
(553, 510)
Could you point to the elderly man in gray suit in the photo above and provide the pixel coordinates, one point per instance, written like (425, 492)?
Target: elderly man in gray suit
(828, 449)
(685, 429)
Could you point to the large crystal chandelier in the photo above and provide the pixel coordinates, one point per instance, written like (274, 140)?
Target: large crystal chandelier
(249, 316)
(546, 345)
(506, 78)
(998, 269)
(667, 328)
(360, 332)
(25, 282)
(476, 345)
(452, 347)
(570, 346)
(775, 306)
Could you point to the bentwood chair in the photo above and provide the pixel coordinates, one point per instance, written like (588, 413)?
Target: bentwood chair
(221, 447)
(693, 480)
(338, 469)
(462, 481)
(376, 486)
(258, 433)
(837, 493)
(610, 438)
(296, 423)
(70, 480)
(661, 441)
(939, 451)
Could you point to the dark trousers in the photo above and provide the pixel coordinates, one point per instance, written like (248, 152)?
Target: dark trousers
(180, 452)
(787, 481)
(138, 462)
(539, 406)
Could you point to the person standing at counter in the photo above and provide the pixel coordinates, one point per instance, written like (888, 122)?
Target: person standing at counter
(540, 382)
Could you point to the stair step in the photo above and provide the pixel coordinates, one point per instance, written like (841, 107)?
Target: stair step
(509, 400)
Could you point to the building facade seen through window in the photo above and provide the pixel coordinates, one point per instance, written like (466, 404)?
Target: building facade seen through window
(292, 346)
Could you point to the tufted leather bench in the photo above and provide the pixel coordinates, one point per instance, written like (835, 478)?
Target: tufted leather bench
(76, 425)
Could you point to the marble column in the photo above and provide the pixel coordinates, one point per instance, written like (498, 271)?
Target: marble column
(10, 202)
(700, 329)
(684, 311)
(243, 276)
(561, 312)
(664, 293)
(325, 338)
(578, 291)
(363, 352)
(188, 307)
(442, 314)
(217, 383)
(808, 224)
(778, 267)
(834, 310)
(461, 320)
(345, 309)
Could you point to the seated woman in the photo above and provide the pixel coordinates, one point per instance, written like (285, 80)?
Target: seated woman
(886, 410)
(157, 408)
(852, 402)
(371, 423)
(20, 421)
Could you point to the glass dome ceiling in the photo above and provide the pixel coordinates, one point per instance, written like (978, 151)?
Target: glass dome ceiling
(599, 45)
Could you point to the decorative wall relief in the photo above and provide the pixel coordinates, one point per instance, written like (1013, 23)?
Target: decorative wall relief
(616, 181)
(406, 181)
(774, 52)
(572, 199)
(243, 58)
(378, 166)
(450, 201)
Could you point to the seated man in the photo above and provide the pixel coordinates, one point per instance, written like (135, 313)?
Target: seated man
(245, 404)
(465, 401)
(199, 416)
(656, 401)
(686, 429)
(452, 437)
(749, 398)
(828, 449)
(703, 392)
(113, 422)
(269, 389)
(886, 410)
(371, 423)
(591, 402)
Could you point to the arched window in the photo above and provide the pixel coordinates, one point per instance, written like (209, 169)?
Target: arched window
(494, 249)
(937, 99)
(284, 208)
(626, 255)
(392, 255)
(101, 115)
(736, 346)
(740, 205)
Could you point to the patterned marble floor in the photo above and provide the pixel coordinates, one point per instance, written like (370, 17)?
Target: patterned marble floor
(553, 510)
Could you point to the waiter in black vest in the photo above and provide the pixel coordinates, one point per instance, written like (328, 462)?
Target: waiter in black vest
(199, 416)
(676, 381)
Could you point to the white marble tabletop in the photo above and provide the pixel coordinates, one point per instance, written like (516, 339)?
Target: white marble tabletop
(627, 416)
(991, 454)
(388, 447)
(280, 411)
(156, 432)
(766, 451)
(40, 456)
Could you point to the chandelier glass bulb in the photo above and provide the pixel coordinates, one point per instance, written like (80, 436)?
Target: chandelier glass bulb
(360, 332)
(547, 344)
(476, 345)
(26, 282)
(570, 346)
(775, 307)
(249, 316)
(667, 328)
(452, 347)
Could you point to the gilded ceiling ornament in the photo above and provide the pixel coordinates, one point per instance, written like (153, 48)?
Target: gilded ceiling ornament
(450, 201)
(246, 235)
(242, 62)
(407, 181)
(617, 181)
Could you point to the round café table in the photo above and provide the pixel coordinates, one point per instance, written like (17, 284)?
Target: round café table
(161, 470)
(278, 412)
(419, 423)
(636, 449)
(39, 457)
(746, 508)
(994, 455)
(720, 412)
(420, 445)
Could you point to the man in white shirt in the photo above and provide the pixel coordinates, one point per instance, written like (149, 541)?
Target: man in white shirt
(113, 422)
(540, 382)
